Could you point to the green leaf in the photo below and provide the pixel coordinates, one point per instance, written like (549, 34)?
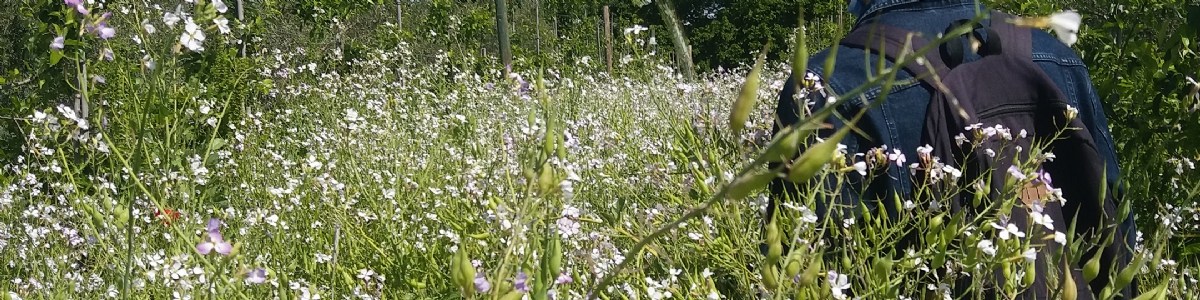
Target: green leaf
(55, 56)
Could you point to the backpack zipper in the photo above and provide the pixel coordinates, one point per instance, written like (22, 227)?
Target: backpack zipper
(1007, 108)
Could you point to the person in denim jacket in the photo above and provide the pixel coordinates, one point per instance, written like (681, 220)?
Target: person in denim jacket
(895, 125)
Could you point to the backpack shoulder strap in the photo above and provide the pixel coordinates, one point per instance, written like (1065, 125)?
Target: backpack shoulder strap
(890, 42)
(1018, 41)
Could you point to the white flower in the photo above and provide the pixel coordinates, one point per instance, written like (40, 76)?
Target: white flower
(1060, 238)
(1009, 230)
(897, 157)
(192, 36)
(1016, 173)
(837, 284)
(635, 30)
(1040, 218)
(807, 215)
(954, 172)
(960, 139)
(220, 6)
(148, 27)
(222, 24)
(861, 168)
(987, 247)
(170, 18)
(1066, 26)
(1030, 254)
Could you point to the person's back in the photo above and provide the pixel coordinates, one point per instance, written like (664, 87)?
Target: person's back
(894, 127)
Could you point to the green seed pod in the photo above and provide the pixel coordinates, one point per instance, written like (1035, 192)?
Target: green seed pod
(770, 276)
(468, 270)
(554, 250)
(816, 157)
(935, 223)
(774, 243)
(810, 275)
(415, 284)
(513, 295)
(1030, 274)
(746, 98)
(845, 262)
(528, 174)
(1069, 291)
(882, 267)
(455, 269)
(1091, 269)
(548, 141)
(742, 187)
(562, 148)
(800, 54)
(96, 217)
(785, 146)
(122, 215)
(1126, 275)
(546, 180)
(774, 253)
(793, 268)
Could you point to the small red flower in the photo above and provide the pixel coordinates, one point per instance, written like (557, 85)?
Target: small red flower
(167, 215)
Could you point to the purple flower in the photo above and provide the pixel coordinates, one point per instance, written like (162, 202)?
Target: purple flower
(58, 43)
(104, 31)
(521, 283)
(107, 54)
(78, 5)
(563, 278)
(256, 276)
(214, 241)
(481, 283)
(1043, 177)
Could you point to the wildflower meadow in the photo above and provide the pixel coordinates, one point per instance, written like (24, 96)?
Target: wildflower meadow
(194, 149)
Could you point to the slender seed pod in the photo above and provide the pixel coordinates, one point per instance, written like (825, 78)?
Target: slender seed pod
(770, 276)
(742, 187)
(746, 98)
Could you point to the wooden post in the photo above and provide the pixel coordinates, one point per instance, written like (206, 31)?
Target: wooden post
(502, 35)
(608, 40)
(399, 15)
(537, 19)
(242, 19)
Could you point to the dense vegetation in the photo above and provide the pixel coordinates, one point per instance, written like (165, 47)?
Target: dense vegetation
(379, 149)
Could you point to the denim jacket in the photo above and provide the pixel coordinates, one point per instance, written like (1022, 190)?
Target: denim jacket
(898, 121)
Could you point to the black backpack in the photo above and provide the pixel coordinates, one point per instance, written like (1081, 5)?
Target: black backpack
(1005, 87)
